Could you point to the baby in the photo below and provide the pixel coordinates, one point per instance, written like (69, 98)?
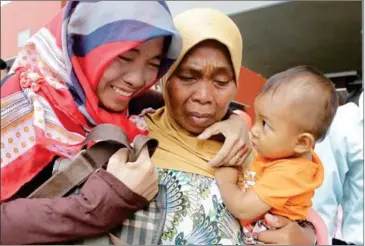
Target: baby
(293, 110)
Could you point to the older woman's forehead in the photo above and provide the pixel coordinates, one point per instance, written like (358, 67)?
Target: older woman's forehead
(211, 44)
(201, 64)
(208, 52)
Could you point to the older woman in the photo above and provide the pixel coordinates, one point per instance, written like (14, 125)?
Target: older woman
(79, 71)
(197, 92)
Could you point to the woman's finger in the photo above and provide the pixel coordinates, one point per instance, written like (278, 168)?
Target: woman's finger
(117, 159)
(143, 158)
(152, 191)
(238, 157)
(149, 190)
(243, 153)
(152, 178)
(120, 156)
(211, 131)
(238, 153)
(152, 194)
(223, 152)
(232, 162)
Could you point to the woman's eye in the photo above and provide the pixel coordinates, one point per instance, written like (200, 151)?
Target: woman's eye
(155, 65)
(127, 59)
(221, 83)
(186, 78)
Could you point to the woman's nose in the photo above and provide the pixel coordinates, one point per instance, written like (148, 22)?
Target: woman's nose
(204, 92)
(134, 78)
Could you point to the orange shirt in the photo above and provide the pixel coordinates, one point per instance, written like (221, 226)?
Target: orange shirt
(287, 185)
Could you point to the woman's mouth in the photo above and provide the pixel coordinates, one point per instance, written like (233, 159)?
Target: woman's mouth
(121, 92)
(200, 119)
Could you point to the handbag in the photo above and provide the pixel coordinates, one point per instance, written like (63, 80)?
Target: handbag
(109, 139)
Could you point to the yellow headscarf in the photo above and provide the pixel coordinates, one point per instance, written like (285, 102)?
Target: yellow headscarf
(179, 150)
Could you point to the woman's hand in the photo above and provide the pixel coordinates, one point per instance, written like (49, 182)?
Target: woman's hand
(236, 147)
(286, 232)
(139, 176)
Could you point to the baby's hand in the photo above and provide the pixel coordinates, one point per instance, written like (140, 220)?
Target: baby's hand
(226, 175)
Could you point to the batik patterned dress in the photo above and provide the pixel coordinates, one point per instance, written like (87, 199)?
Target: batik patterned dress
(187, 210)
(195, 211)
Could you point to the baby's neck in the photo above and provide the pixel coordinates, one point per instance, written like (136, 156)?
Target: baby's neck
(307, 155)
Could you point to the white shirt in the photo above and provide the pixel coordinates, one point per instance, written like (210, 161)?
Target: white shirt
(341, 153)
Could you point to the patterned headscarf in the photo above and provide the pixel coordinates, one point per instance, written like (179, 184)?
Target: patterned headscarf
(49, 104)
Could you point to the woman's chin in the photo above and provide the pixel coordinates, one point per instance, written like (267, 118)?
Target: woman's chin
(196, 129)
(113, 107)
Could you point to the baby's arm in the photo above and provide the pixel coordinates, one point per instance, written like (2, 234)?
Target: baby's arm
(244, 206)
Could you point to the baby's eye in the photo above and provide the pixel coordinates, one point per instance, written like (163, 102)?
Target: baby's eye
(265, 125)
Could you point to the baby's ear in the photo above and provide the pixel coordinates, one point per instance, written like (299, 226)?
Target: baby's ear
(305, 143)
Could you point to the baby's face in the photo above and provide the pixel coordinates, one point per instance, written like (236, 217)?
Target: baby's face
(273, 135)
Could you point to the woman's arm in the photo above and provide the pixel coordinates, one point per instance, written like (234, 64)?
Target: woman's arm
(103, 203)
